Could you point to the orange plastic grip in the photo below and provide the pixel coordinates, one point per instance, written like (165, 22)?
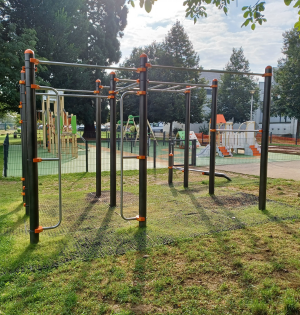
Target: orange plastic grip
(36, 160)
(38, 230)
(141, 157)
(141, 219)
(171, 154)
(35, 86)
(22, 82)
(22, 179)
(111, 96)
(141, 93)
(141, 70)
(20, 106)
(116, 79)
(23, 194)
(267, 75)
(212, 86)
(148, 65)
(96, 92)
(21, 121)
(34, 60)
(170, 167)
(213, 130)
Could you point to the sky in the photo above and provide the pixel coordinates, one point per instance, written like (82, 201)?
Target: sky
(213, 37)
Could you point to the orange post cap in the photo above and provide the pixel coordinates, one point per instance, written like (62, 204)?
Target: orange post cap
(112, 72)
(143, 55)
(29, 51)
(98, 80)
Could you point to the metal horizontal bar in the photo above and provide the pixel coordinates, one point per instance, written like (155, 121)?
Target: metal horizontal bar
(75, 91)
(168, 91)
(77, 95)
(130, 157)
(237, 130)
(203, 70)
(181, 84)
(82, 65)
(50, 159)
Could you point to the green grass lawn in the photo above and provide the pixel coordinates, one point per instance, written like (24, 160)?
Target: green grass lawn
(198, 255)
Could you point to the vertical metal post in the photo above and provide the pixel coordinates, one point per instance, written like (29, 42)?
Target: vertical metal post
(154, 154)
(264, 139)
(164, 137)
(22, 107)
(98, 140)
(31, 127)
(113, 140)
(170, 167)
(131, 146)
(213, 126)
(271, 137)
(187, 137)
(194, 146)
(143, 141)
(5, 149)
(86, 156)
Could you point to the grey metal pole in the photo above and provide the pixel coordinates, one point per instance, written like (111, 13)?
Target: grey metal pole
(22, 106)
(154, 154)
(265, 139)
(86, 156)
(213, 127)
(143, 141)
(170, 167)
(187, 137)
(113, 140)
(98, 141)
(32, 167)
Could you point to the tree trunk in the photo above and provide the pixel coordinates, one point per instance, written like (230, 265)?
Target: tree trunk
(170, 131)
(89, 132)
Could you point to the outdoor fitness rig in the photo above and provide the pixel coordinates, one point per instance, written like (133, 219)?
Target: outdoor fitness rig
(31, 175)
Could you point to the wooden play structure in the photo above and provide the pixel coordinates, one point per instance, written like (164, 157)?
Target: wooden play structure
(131, 122)
(229, 140)
(67, 126)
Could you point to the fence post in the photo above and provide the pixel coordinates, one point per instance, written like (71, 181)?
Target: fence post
(296, 138)
(86, 156)
(271, 137)
(194, 146)
(131, 146)
(164, 137)
(5, 152)
(154, 154)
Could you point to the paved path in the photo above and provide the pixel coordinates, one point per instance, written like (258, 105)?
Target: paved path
(286, 170)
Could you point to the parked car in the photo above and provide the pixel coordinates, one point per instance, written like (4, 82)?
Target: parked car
(157, 127)
(80, 127)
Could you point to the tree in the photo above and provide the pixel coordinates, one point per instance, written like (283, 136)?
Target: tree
(11, 61)
(176, 50)
(286, 92)
(234, 97)
(76, 31)
(196, 9)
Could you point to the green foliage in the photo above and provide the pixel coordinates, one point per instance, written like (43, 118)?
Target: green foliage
(176, 50)
(286, 93)
(234, 98)
(252, 13)
(77, 31)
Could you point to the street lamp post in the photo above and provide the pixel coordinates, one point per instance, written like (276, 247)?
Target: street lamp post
(251, 92)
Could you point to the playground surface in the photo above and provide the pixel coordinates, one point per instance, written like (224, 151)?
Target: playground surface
(276, 169)
(91, 228)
